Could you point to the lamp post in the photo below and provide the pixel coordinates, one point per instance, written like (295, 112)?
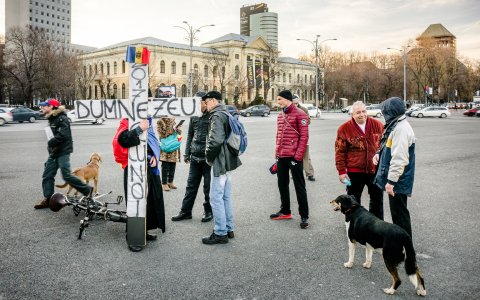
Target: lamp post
(191, 36)
(404, 72)
(315, 45)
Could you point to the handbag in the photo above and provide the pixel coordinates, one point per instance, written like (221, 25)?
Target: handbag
(273, 169)
(171, 143)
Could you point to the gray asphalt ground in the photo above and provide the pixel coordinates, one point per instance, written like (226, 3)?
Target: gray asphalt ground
(41, 258)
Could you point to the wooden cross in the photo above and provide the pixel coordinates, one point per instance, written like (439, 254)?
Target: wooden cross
(136, 108)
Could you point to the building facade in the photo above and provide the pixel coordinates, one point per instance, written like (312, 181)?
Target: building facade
(242, 68)
(53, 17)
(265, 25)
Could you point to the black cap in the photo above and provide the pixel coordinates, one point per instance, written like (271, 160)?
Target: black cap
(212, 94)
(286, 94)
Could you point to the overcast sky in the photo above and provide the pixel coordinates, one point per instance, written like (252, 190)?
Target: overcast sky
(359, 25)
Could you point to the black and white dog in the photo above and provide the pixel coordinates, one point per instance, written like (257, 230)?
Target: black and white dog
(366, 229)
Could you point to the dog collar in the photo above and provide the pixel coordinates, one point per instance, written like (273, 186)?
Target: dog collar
(348, 210)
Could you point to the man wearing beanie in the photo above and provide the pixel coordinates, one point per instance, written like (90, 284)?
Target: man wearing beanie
(291, 143)
(396, 167)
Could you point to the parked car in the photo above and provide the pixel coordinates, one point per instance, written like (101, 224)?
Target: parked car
(313, 111)
(411, 110)
(478, 113)
(346, 109)
(374, 111)
(5, 116)
(432, 111)
(72, 118)
(256, 110)
(21, 114)
(233, 110)
(471, 112)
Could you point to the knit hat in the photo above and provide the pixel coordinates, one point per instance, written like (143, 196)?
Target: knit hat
(286, 94)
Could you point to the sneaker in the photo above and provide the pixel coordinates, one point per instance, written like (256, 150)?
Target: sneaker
(311, 178)
(230, 234)
(215, 239)
(280, 216)
(304, 223)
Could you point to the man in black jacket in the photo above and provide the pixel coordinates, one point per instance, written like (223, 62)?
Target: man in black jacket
(223, 162)
(60, 145)
(195, 155)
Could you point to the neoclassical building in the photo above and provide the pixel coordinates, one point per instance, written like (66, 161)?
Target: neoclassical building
(241, 67)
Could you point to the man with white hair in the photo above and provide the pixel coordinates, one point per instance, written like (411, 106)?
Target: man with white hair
(358, 140)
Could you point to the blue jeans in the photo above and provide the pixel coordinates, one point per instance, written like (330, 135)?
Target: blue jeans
(221, 202)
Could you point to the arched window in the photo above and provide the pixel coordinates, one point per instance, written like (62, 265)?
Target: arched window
(289, 77)
(184, 90)
(96, 69)
(305, 79)
(205, 88)
(162, 66)
(123, 67)
(237, 72)
(298, 78)
(205, 71)
(311, 79)
(184, 69)
(90, 70)
(84, 71)
(284, 77)
(215, 70)
(223, 72)
(108, 68)
(237, 93)
(114, 67)
(96, 96)
(90, 92)
(195, 69)
(174, 67)
(123, 91)
(101, 69)
(115, 91)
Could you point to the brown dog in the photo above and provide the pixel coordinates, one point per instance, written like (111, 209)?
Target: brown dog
(87, 173)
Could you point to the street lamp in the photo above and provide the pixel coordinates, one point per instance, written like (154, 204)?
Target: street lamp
(191, 36)
(404, 72)
(315, 45)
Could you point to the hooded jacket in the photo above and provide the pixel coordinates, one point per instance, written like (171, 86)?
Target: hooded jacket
(217, 154)
(397, 153)
(292, 133)
(61, 143)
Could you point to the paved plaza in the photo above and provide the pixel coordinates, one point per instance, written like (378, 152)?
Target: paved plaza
(41, 257)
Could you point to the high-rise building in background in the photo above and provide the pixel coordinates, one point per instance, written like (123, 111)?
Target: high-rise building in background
(51, 16)
(255, 20)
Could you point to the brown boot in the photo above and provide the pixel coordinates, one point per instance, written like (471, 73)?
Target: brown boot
(165, 187)
(41, 204)
(172, 186)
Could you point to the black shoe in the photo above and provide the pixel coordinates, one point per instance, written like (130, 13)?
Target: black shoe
(230, 234)
(207, 216)
(151, 237)
(304, 223)
(215, 239)
(311, 178)
(182, 216)
(135, 248)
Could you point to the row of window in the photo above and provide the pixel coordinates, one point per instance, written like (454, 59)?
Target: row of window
(48, 15)
(173, 66)
(48, 23)
(53, 8)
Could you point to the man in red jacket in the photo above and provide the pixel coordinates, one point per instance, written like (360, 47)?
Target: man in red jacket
(291, 143)
(357, 142)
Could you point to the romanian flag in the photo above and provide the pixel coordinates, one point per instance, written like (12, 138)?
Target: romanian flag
(138, 55)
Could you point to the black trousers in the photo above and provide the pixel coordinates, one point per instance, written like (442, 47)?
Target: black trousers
(168, 171)
(359, 181)
(198, 169)
(284, 166)
(400, 213)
